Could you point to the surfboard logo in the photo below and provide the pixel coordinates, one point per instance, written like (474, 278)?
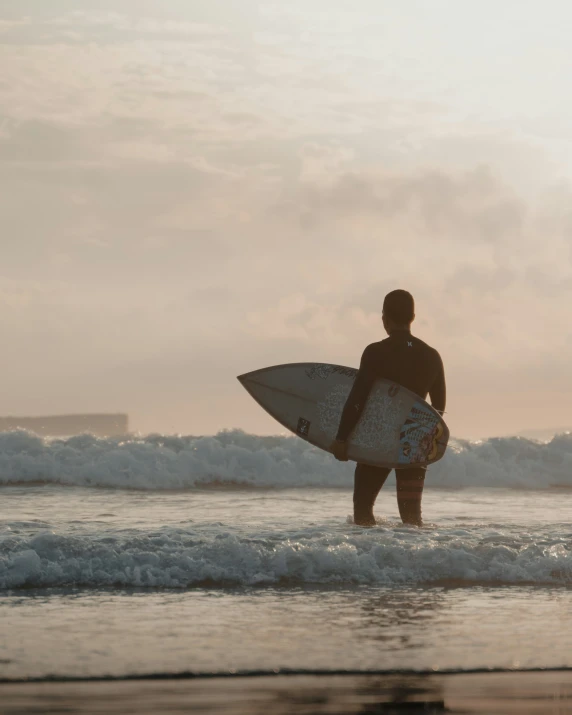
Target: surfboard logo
(319, 371)
(303, 427)
(322, 372)
(393, 390)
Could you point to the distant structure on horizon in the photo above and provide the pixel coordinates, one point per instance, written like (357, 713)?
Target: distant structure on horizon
(101, 425)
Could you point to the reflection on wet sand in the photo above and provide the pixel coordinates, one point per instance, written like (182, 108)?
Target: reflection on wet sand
(526, 693)
(400, 616)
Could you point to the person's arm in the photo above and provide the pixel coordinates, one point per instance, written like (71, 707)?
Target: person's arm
(354, 404)
(438, 391)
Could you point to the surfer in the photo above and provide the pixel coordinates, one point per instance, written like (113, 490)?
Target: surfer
(407, 361)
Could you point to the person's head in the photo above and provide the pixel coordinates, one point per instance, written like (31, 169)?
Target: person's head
(398, 311)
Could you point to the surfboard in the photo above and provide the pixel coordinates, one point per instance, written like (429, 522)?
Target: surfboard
(396, 429)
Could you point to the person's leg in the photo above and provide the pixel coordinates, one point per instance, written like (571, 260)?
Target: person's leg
(367, 483)
(410, 484)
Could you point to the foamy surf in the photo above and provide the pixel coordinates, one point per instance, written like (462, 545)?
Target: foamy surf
(183, 558)
(237, 459)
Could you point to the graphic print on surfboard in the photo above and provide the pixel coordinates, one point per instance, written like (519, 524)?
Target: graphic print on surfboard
(396, 429)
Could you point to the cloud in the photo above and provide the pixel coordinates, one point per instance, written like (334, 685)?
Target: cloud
(470, 207)
(193, 190)
(223, 12)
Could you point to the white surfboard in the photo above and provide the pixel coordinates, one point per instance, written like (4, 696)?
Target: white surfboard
(396, 429)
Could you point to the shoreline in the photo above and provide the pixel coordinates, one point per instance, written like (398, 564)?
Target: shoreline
(283, 673)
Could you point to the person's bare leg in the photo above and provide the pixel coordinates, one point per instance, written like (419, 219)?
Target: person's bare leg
(367, 483)
(410, 484)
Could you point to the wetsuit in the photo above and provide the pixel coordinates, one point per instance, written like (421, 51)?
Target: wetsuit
(412, 363)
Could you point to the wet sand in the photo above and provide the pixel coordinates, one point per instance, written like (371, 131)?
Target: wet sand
(542, 693)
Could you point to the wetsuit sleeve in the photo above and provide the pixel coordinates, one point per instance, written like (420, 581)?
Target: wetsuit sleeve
(358, 395)
(438, 391)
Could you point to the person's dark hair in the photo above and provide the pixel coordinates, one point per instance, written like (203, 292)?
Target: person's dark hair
(399, 306)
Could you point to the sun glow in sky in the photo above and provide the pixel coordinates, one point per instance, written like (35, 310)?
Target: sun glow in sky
(192, 190)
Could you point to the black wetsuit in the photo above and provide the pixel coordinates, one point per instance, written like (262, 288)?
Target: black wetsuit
(412, 363)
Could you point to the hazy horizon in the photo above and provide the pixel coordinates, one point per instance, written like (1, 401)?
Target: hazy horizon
(191, 191)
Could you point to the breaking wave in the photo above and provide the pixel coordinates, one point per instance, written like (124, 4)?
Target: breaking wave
(236, 459)
(179, 558)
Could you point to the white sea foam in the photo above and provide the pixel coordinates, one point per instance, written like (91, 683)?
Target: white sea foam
(235, 458)
(178, 558)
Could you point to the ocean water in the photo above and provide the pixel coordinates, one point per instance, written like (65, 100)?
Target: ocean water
(237, 552)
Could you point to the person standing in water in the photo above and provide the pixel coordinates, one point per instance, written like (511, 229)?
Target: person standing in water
(409, 362)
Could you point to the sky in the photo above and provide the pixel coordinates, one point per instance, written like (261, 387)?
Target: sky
(193, 190)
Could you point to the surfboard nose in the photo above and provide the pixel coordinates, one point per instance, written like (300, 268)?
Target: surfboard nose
(244, 377)
(246, 381)
(257, 375)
